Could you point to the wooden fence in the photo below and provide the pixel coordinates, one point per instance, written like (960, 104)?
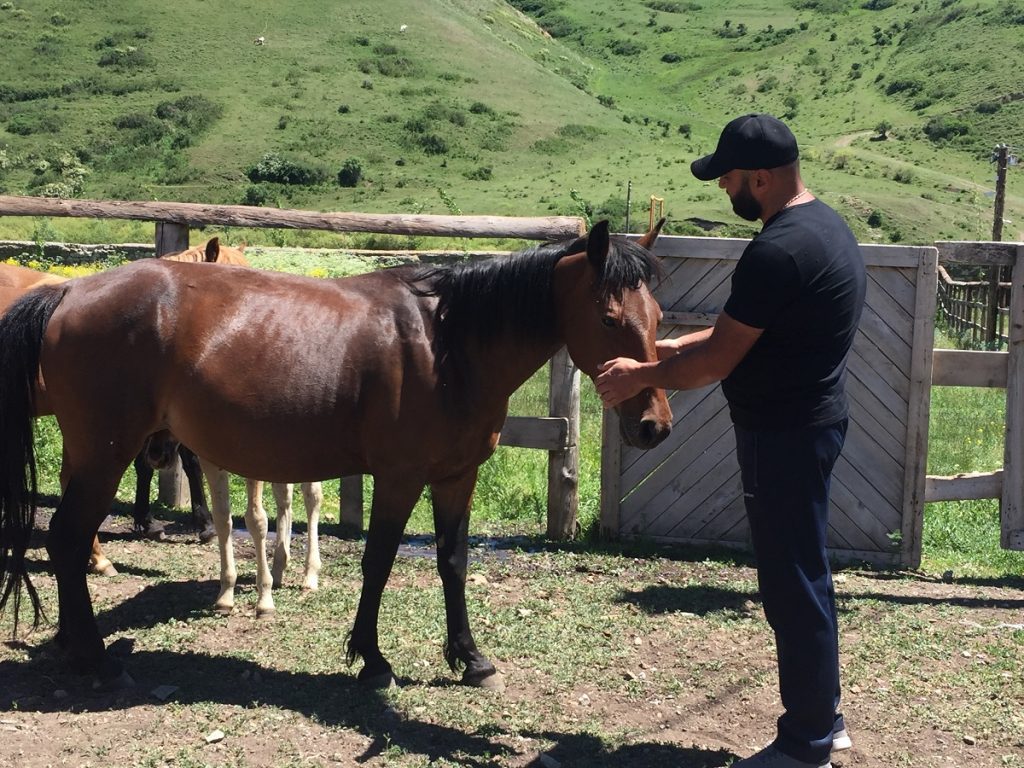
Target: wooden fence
(975, 311)
(558, 433)
(688, 490)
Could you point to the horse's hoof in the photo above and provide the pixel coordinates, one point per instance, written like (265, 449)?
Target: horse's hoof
(103, 569)
(207, 535)
(120, 682)
(224, 610)
(493, 681)
(266, 613)
(379, 682)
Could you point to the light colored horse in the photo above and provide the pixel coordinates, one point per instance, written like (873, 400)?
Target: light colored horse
(256, 523)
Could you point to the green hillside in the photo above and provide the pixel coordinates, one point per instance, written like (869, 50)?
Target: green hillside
(483, 106)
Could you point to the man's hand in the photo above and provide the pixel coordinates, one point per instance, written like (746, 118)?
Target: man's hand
(619, 380)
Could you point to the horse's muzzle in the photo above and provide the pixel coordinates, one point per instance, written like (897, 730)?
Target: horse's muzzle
(645, 433)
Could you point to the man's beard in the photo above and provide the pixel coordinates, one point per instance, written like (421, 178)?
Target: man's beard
(745, 206)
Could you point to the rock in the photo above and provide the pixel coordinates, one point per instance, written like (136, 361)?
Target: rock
(214, 736)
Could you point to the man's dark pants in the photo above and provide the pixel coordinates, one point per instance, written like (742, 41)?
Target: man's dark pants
(786, 476)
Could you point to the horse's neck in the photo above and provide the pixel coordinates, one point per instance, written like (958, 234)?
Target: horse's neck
(508, 362)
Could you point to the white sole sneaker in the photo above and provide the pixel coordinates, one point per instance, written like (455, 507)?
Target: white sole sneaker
(841, 740)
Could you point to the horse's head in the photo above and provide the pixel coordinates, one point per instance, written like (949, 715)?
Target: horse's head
(613, 314)
(211, 252)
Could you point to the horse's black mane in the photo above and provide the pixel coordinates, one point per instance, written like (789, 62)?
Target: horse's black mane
(486, 297)
(480, 300)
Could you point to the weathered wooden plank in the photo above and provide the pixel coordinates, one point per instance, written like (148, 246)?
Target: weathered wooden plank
(975, 252)
(881, 389)
(675, 246)
(703, 319)
(1012, 500)
(918, 409)
(897, 283)
(351, 502)
(886, 510)
(198, 214)
(684, 469)
(690, 415)
(707, 292)
(963, 487)
(563, 461)
(731, 512)
(867, 358)
(969, 368)
(857, 521)
(892, 255)
(611, 474)
(863, 453)
(549, 433)
(869, 415)
(893, 339)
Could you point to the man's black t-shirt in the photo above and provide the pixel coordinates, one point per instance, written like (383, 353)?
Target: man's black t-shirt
(801, 280)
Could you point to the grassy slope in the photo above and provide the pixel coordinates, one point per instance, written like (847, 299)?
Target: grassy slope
(285, 96)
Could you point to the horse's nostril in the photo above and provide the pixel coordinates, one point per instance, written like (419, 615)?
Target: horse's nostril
(653, 432)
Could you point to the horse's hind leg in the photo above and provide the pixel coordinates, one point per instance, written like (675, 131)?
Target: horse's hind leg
(201, 519)
(393, 500)
(141, 515)
(82, 507)
(256, 524)
(451, 499)
(313, 496)
(283, 544)
(220, 501)
(98, 562)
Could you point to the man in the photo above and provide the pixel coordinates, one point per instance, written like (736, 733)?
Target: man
(779, 348)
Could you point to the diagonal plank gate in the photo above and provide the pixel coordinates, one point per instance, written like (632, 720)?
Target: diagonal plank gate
(688, 488)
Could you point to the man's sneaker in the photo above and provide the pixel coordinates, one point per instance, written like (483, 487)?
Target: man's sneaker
(770, 757)
(841, 740)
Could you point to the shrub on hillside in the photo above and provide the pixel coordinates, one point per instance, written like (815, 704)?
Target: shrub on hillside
(433, 144)
(483, 173)
(626, 48)
(128, 57)
(274, 168)
(28, 123)
(671, 58)
(941, 128)
(351, 173)
(193, 113)
(140, 128)
(988, 107)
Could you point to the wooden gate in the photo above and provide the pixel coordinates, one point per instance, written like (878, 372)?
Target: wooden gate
(687, 490)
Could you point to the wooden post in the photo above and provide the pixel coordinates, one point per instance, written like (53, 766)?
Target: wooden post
(564, 464)
(1000, 202)
(172, 485)
(611, 475)
(352, 503)
(1011, 508)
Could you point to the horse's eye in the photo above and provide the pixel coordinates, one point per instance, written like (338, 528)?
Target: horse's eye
(609, 322)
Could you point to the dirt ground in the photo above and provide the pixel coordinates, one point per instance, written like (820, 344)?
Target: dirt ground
(677, 669)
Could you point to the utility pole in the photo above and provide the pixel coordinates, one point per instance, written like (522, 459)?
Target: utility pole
(994, 273)
(1002, 153)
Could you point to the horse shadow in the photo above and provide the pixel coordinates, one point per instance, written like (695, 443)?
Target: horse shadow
(334, 700)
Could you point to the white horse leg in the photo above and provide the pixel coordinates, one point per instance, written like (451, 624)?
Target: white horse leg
(256, 523)
(283, 547)
(313, 496)
(220, 510)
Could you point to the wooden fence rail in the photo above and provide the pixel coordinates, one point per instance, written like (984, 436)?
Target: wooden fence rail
(969, 307)
(558, 433)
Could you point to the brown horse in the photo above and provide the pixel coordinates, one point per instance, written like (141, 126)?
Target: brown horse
(406, 375)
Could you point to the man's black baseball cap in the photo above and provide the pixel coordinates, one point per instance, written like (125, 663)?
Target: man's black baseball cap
(748, 143)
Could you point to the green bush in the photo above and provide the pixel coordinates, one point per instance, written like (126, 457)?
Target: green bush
(483, 173)
(276, 169)
(433, 144)
(351, 173)
(128, 57)
(940, 128)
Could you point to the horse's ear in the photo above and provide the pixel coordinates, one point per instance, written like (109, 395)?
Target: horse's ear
(597, 245)
(647, 241)
(212, 249)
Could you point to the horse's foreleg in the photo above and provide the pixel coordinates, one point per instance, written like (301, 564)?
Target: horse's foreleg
(82, 507)
(313, 496)
(201, 519)
(220, 502)
(451, 499)
(393, 500)
(283, 545)
(256, 523)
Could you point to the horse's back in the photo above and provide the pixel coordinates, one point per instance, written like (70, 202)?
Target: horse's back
(265, 374)
(16, 280)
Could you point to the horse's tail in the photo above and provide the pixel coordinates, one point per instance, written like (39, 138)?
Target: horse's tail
(21, 340)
